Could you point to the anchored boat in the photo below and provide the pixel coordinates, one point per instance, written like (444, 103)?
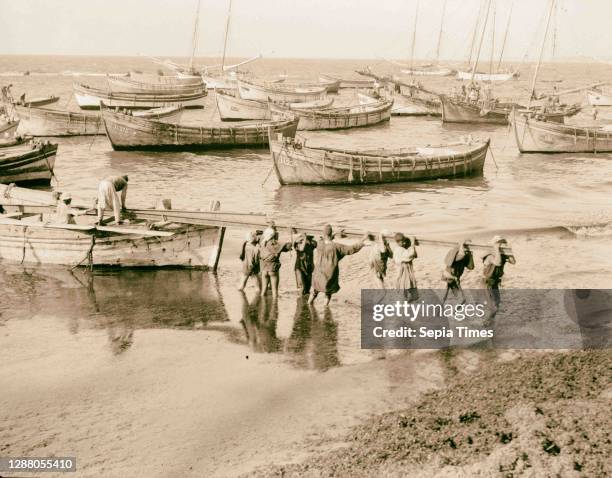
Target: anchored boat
(296, 163)
(30, 162)
(348, 82)
(249, 90)
(48, 122)
(233, 108)
(336, 118)
(131, 132)
(123, 84)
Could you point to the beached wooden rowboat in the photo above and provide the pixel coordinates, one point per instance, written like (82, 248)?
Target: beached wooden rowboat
(168, 114)
(533, 136)
(276, 92)
(349, 83)
(130, 132)
(233, 108)
(336, 118)
(122, 84)
(48, 122)
(295, 163)
(27, 163)
(598, 98)
(90, 98)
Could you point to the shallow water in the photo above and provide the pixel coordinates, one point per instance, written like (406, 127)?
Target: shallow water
(555, 210)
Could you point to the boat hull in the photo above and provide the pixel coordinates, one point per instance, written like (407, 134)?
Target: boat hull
(122, 84)
(363, 115)
(462, 112)
(91, 98)
(345, 83)
(467, 75)
(8, 129)
(439, 72)
(534, 136)
(232, 108)
(180, 79)
(129, 132)
(317, 166)
(46, 122)
(252, 91)
(193, 246)
(599, 99)
(25, 164)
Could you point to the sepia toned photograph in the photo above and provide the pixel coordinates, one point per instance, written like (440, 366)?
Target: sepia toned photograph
(285, 239)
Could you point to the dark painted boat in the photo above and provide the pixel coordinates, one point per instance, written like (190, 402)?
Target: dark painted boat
(30, 162)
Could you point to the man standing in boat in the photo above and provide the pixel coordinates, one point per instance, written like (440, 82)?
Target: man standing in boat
(108, 196)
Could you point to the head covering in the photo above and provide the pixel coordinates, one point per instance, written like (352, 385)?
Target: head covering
(66, 197)
(125, 176)
(497, 239)
(249, 236)
(268, 234)
(327, 231)
(401, 239)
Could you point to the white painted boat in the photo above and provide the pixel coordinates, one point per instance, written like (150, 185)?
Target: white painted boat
(598, 98)
(276, 92)
(233, 108)
(428, 72)
(312, 105)
(467, 75)
(168, 114)
(90, 98)
(122, 84)
(178, 79)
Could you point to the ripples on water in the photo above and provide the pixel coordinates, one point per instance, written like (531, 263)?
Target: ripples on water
(555, 209)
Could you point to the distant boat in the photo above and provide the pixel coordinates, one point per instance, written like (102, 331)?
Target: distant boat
(533, 136)
(48, 122)
(38, 102)
(598, 98)
(233, 108)
(336, 118)
(121, 84)
(30, 162)
(90, 98)
(505, 76)
(250, 90)
(347, 82)
(428, 72)
(296, 163)
(168, 114)
(400, 106)
(130, 132)
(332, 86)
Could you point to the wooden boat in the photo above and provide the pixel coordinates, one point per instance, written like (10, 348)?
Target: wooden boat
(48, 122)
(598, 98)
(501, 76)
(130, 132)
(400, 106)
(8, 128)
(336, 118)
(312, 105)
(534, 136)
(296, 163)
(168, 114)
(38, 102)
(90, 98)
(191, 239)
(331, 86)
(456, 110)
(233, 108)
(122, 84)
(419, 97)
(180, 79)
(349, 83)
(27, 163)
(249, 90)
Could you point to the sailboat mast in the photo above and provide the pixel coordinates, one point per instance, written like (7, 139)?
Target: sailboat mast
(194, 44)
(416, 16)
(537, 70)
(501, 55)
(227, 26)
(474, 34)
(492, 42)
(484, 28)
(440, 34)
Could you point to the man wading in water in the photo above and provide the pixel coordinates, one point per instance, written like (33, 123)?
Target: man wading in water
(493, 270)
(304, 246)
(456, 261)
(326, 271)
(269, 259)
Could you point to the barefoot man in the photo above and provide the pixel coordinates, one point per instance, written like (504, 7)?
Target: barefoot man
(108, 196)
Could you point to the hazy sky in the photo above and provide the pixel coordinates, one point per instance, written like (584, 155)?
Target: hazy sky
(292, 28)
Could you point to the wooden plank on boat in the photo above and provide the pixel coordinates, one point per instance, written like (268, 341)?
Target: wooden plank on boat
(136, 231)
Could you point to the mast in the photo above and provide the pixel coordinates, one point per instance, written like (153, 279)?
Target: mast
(484, 27)
(474, 34)
(194, 44)
(440, 34)
(501, 55)
(537, 70)
(492, 42)
(227, 26)
(416, 16)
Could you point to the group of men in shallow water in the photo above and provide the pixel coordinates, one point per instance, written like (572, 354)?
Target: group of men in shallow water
(317, 262)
